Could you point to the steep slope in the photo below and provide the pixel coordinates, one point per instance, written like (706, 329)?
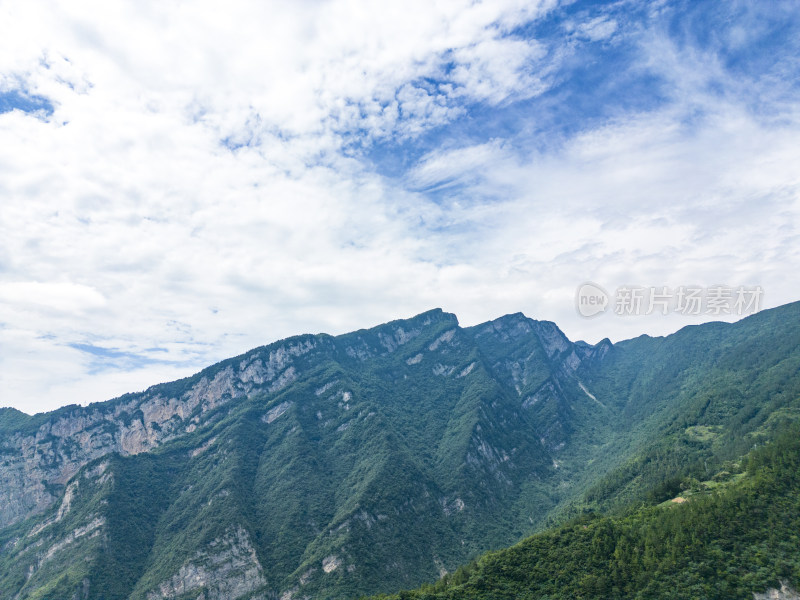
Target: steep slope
(308, 454)
(335, 466)
(41, 453)
(730, 541)
(701, 397)
(94, 537)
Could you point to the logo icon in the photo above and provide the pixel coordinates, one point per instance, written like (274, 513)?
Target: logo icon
(591, 300)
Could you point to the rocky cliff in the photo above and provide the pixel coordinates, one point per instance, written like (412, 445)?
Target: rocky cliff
(42, 453)
(372, 461)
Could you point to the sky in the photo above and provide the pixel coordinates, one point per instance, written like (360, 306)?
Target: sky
(183, 181)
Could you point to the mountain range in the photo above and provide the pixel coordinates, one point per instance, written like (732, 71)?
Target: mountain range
(334, 467)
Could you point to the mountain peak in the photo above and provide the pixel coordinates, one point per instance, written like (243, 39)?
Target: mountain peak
(313, 464)
(517, 326)
(386, 338)
(512, 325)
(429, 317)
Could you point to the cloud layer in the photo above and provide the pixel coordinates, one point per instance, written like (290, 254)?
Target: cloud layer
(179, 184)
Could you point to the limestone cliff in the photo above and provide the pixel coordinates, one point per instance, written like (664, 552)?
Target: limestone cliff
(38, 459)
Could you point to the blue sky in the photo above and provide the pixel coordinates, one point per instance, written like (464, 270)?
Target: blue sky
(180, 184)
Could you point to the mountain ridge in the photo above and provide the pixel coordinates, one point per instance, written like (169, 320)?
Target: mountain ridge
(374, 460)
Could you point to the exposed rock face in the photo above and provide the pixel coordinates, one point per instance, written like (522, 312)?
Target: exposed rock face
(445, 338)
(44, 544)
(276, 412)
(301, 471)
(391, 336)
(63, 509)
(785, 593)
(40, 456)
(226, 570)
(331, 563)
(91, 528)
(414, 360)
(34, 465)
(550, 336)
(548, 395)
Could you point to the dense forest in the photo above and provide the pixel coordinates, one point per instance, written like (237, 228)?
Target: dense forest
(725, 538)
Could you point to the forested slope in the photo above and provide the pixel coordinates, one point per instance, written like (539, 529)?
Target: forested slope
(724, 540)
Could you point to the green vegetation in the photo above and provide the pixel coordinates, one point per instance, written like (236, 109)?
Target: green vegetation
(714, 391)
(411, 448)
(726, 543)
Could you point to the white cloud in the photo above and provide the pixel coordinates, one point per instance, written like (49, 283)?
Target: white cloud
(599, 28)
(65, 297)
(126, 224)
(644, 202)
(459, 165)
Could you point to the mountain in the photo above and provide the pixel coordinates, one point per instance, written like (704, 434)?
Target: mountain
(723, 539)
(323, 466)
